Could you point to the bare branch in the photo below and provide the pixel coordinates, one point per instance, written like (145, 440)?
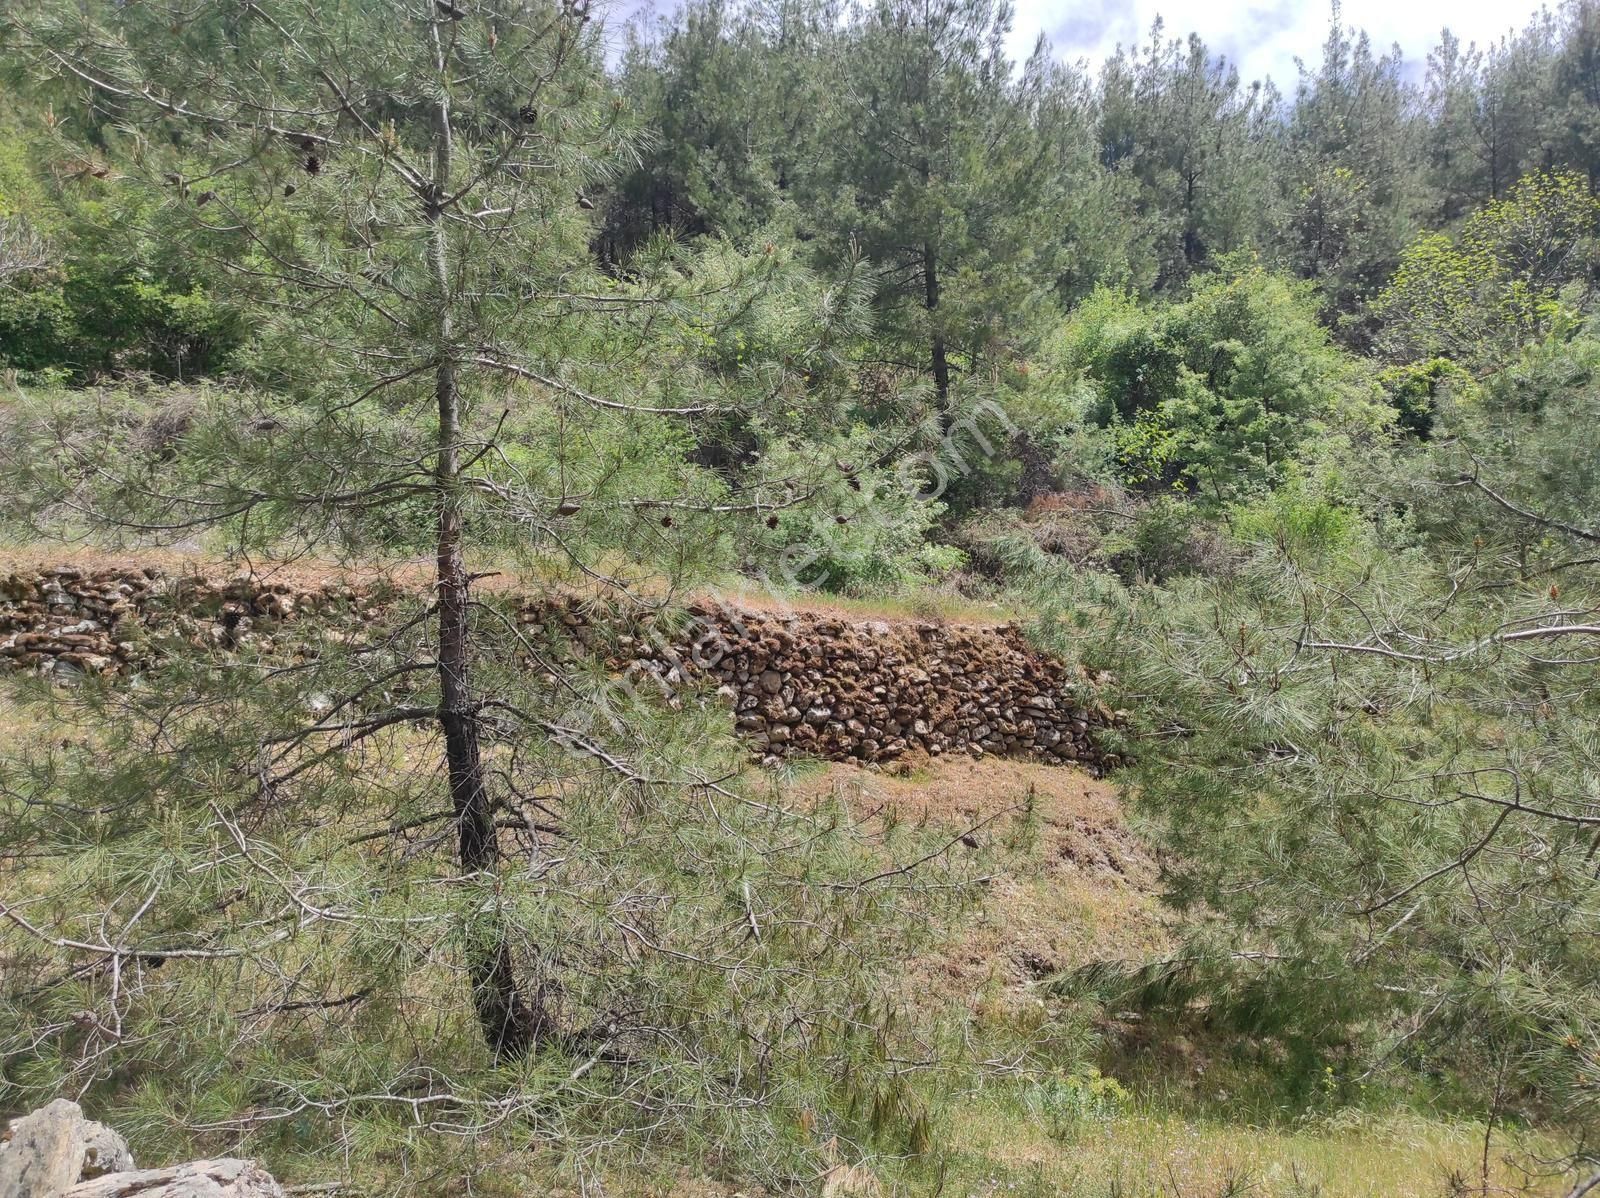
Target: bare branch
(1572, 530)
(533, 376)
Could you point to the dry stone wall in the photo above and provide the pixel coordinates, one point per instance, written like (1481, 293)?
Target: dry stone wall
(70, 621)
(873, 690)
(869, 691)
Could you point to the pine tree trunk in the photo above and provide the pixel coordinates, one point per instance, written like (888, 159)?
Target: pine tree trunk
(941, 364)
(508, 1024)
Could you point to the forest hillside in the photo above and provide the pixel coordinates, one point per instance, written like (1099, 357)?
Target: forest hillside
(775, 602)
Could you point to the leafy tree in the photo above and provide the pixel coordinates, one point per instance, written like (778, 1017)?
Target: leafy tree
(1217, 391)
(88, 326)
(1416, 389)
(89, 294)
(1477, 297)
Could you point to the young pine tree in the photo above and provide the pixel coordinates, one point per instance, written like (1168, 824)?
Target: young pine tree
(395, 197)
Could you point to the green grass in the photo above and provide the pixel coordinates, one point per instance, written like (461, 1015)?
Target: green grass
(999, 1146)
(1184, 1120)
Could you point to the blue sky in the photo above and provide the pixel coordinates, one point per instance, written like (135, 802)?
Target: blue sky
(1262, 37)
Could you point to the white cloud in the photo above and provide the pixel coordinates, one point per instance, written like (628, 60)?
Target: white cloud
(1263, 37)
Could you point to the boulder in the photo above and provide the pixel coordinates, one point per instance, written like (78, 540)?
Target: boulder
(226, 1178)
(43, 1152)
(56, 1153)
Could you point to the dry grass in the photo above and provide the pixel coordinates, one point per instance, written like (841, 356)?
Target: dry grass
(928, 607)
(309, 571)
(300, 571)
(993, 1150)
(1070, 882)
(1074, 885)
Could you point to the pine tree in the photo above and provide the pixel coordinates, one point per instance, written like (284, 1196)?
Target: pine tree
(400, 200)
(1198, 143)
(937, 178)
(1486, 116)
(1351, 189)
(1573, 104)
(732, 98)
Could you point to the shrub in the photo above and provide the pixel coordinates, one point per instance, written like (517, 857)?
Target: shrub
(1414, 391)
(1065, 1102)
(1217, 393)
(1477, 297)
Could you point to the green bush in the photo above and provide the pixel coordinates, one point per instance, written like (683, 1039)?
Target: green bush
(88, 325)
(1066, 1102)
(1414, 391)
(1214, 394)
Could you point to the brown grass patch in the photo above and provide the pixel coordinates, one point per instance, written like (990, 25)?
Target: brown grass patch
(1074, 884)
(308, 572)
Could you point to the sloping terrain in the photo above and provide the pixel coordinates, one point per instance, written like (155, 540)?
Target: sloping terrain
(1065, 880)
(1075, 884)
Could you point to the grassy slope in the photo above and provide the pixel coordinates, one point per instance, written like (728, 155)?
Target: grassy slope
(1072, 883)
(1191, 1121)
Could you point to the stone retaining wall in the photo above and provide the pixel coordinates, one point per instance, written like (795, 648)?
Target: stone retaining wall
(870, 691)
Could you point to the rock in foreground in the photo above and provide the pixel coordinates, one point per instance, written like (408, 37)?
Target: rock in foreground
(56, 1153)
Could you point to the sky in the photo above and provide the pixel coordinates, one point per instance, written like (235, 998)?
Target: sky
(1262, 37)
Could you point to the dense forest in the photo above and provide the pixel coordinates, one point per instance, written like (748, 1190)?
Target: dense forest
(1263, 406)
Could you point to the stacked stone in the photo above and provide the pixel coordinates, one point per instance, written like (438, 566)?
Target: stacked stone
(68, 621)
(802, 683)
(64, 619)
(873, 691)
